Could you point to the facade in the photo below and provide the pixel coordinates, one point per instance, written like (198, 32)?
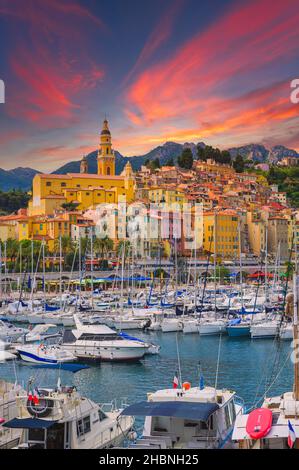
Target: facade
(278, 236)
(84, 190)
(222, 226)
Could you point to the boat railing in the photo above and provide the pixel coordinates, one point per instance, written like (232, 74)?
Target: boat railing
(239, 401)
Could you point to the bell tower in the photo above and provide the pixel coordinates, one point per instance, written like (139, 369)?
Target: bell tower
(106, 157)
(84, 165)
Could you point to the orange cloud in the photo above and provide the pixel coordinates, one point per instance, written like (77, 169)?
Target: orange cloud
(51, 72)
(192, 85)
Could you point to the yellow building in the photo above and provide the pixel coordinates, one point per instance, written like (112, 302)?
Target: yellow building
(85, 190)
(166, 195)
(222, 226)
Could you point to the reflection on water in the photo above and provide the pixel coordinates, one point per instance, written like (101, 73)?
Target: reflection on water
(246, 366)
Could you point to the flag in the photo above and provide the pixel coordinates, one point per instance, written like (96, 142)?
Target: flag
(30, 396)
(201, 382)
(292, 435)
(175, 381)
(35, 397)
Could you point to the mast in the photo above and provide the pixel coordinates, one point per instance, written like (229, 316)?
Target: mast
(91, 266)
(296, 345)
(60, 271)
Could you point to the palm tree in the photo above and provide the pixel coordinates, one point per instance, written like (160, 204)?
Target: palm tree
(103, 245)
(67, 245)
(124, 246)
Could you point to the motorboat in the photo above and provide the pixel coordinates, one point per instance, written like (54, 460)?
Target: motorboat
(60, 418)
(9, 332)
(44, 354)
(187, 418)
(101, 343)
(9, 393)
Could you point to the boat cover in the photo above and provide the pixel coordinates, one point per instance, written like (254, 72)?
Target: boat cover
(29, 423)
(175, 409)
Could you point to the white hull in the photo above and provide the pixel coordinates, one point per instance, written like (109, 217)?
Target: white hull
(191, 327)
(260, 331)
(106, 353)
(208, 329)
(171, 326)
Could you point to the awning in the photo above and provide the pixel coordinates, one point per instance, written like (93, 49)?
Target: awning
(29, 423)
(175, 409)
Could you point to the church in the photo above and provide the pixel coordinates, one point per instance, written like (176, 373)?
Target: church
(85, 190)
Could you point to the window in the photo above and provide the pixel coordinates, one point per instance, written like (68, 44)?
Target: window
(83, 426)
(108, 171)
(63, 185)
(48, 183)
(102, 415)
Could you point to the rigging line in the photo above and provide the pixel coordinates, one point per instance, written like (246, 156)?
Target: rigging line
(218, 361)
(276, 358)
(272, 383)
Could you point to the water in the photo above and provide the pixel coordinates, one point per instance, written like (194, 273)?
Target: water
(245, 366)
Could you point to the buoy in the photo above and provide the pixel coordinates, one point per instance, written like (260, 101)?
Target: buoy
(186, 385)
(259, 423)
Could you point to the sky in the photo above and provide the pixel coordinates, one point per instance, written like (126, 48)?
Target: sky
(216, 71)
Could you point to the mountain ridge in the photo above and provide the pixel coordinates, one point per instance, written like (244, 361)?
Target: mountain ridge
(21, 178)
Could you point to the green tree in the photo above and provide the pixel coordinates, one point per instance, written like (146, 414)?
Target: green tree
(201, 153)
(239, 164)
(186, 159)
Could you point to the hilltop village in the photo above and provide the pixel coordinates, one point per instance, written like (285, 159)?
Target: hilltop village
(242, 213)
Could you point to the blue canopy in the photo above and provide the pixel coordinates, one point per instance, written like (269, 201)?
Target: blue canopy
(174, 409)
(129, 337)
(29, 423)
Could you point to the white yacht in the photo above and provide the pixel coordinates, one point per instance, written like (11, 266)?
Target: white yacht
(9, 332)
(182, 418)
(62, 419)
(43, 354)
(101, 342)
(8, 410)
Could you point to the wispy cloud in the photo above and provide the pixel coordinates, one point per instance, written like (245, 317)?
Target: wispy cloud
(194, 85)
(160, 34)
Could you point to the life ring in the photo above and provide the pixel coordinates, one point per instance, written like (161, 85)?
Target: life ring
(42, 410)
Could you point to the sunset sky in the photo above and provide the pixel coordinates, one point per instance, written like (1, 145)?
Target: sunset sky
(184, 70)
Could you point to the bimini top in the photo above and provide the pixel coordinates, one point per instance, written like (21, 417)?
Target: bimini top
(29, 423)
(175, 409)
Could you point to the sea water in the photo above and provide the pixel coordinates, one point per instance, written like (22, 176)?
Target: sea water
(252, 368)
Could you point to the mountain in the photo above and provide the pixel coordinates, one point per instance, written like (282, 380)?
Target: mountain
(21, 178)
(18, 178)
(259, 153)
(163, 152)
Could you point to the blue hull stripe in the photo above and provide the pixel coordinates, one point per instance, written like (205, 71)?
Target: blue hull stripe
(37, 358)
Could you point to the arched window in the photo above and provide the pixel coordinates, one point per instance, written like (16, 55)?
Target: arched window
(107, 150)
(108, 170)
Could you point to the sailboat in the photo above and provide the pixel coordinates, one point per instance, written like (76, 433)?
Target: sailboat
(276, 424)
